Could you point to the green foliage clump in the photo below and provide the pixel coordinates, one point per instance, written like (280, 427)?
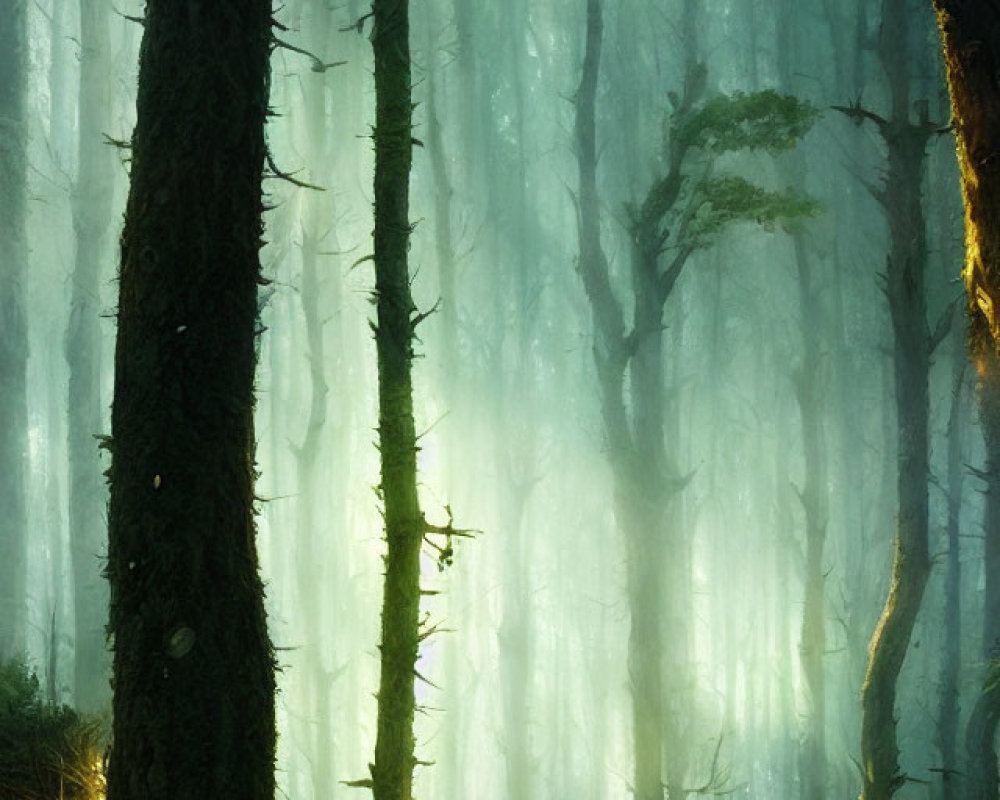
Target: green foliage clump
(730, 198)
(765, 120)
(47, 751)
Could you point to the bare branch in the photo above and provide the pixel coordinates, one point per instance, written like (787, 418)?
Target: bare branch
(290, 178)
(858, 114)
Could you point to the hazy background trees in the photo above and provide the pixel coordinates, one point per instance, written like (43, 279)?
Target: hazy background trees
(779, 346)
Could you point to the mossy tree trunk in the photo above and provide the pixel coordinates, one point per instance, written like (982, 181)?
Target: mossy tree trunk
(970, 34)
(91, 215)
(980, 737)
(906, 144)
(13, 323)
(193, 707)
(392, 772)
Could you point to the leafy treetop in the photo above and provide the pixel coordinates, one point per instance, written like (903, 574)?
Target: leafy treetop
(765, 120)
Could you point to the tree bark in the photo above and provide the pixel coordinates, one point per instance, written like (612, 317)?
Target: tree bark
(193, 703)
(392, 772)
(970, 35)
(901, 198)
(13, 323)
(87, 502)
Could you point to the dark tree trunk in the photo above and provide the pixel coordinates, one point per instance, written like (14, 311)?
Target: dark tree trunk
(193, 665)
(901, 198)
(980, 737)
(392, 772)
(13, 323)
(970, 34)
(91, 215)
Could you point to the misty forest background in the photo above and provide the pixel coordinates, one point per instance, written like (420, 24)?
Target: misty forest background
(778, 409)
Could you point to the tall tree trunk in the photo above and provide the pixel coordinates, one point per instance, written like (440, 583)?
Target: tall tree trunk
(313, 571)
(906, 142)
(639, 499)
(444, 240)
(980, 737)
(449, 379)
(193, 699)
(951, 654)
(970, 34)
(516, 454)
(91, 215)
(784, 545)
(810, 391)
(392, 772)
(60, 96)
(13, 323)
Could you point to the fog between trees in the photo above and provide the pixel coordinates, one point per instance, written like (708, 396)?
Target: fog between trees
(656, 383)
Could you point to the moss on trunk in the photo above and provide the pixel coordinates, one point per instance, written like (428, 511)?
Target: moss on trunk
(970, 34)
(906, 142)
(193, 665)
(392, 772)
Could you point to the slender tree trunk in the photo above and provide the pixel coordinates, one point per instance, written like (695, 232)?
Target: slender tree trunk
(313, 572)
(635, 445)
(193, 665)
(970, 34)
(14, 342)
(444, 240)
(611, 357)
(91, 215)
(13, 323)
(641, 487)
(449, 380)
(392, 772)
(60, 97)
(517, 453)
(980, 736)
(951, 655)
(810, 392)
(905, 268)
(783, 547)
